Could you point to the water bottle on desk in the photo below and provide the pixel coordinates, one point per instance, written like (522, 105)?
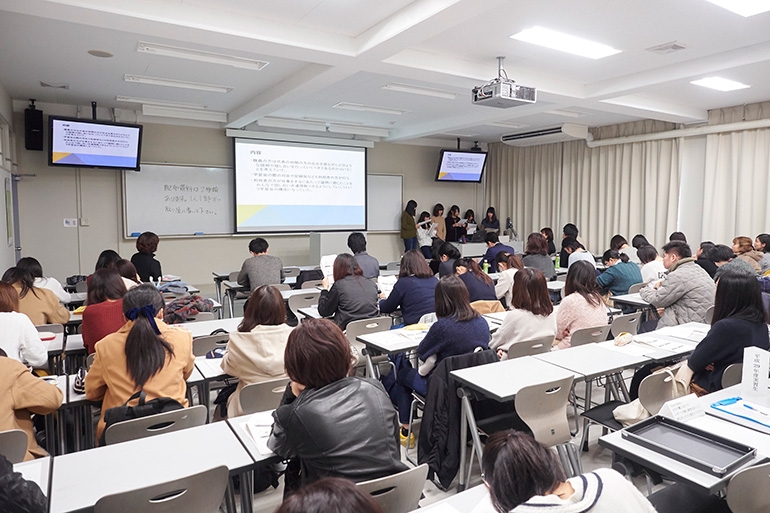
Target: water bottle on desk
(485, 267)
(556, 262)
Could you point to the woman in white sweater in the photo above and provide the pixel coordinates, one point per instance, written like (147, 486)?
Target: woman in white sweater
(532, 314)
(525, 476)
(507, 265)
(255, 352)
(582, 306)
(18, 336)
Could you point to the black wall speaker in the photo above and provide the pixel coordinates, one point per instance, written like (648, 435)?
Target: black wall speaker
(33, 129)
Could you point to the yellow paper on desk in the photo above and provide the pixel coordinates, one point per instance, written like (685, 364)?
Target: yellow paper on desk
(79, 310)
(417, 327)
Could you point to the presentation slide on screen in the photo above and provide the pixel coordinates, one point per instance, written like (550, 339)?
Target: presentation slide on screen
(298, 187)
(461, 166)
(88, 144)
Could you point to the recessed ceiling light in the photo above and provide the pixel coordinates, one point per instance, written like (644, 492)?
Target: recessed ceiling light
(564, 113)
(199, 55)
(179, 113)
(720, 84)
(100, 53)
(745, 8)
(164, 103)
(368, 108)
(55, 85)
(425, 91)
(292, 124)
(564, 43)
(337, 128)
(166, 82)
(507, 124)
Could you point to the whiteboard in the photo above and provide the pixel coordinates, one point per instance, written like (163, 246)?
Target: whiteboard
(384, 202)
(178, 200)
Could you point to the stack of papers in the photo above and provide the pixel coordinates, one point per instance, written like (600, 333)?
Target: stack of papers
(258, 428)
(659, 343)
(738, 411)
(687, 333)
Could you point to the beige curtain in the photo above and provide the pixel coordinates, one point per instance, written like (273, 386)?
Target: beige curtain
(626, 189)
(737, 177)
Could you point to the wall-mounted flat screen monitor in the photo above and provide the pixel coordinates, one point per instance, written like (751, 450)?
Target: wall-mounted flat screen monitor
(86, 143)
(461, 166)
(299, 187)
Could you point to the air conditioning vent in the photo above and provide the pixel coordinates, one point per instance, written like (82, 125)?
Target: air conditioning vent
(566, 132)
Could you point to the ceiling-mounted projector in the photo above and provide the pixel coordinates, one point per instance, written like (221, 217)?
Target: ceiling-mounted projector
(503, 92)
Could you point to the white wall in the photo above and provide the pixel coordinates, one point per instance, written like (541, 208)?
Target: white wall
(95, 194)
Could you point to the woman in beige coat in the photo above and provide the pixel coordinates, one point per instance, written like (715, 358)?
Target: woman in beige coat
(255, 352)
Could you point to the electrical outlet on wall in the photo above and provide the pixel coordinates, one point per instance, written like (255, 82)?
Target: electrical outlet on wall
(84, 221)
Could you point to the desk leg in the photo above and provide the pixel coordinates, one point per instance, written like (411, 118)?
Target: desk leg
(247, 492)
(463, 444)
(469, 422)
(218, 289)
(51, 435)
(370, 366)
(587, 406)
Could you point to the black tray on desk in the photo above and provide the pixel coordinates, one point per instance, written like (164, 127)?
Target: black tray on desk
(689, 445)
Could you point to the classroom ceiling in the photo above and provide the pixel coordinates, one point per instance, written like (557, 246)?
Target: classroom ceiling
(325, 52)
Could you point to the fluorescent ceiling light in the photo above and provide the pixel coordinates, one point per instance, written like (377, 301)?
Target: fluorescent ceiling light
(458, 134)
(358, 130)
(163, 103)
(178, 113)
(294, 124)
(720, 84)
(564, 113)
(425, 91)
(745, 8)
(138, 79)
(198, 55)
(565, 43)
(369, 108)
(506, 124)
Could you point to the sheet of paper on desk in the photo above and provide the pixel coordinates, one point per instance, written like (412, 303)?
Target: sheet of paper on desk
(484, 506)
(633, 348)
(214, 365)
(751, 415)
(661, 344)
(258, 427)
(687, 333)
(413, 334)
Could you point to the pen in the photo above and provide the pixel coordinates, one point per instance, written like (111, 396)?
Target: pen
(755, 409)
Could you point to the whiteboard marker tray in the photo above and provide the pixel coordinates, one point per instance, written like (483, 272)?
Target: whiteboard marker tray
(689, 445)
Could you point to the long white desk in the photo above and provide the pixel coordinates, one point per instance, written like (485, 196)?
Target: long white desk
(80, 479)
(38, 471)
(389, 342)
(204, 328)
(682, 472)
(474, 500)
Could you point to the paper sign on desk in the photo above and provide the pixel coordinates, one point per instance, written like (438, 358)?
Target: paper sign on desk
(683, 409)
(259, 427)
(756, 371)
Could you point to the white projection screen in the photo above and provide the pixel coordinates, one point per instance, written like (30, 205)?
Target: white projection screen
(298, 187)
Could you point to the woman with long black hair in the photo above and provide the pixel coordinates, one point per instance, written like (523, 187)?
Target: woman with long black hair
(145, 354)
(408, 226)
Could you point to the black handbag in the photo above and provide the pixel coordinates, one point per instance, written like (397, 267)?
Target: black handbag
(143, 409)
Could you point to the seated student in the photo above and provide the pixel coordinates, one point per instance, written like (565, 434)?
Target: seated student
(104, 307)
(40, 305)
(255, 352)
(480, 286)
(685, 294)
(726, 261)
(639, 240)
(620, 274)
(761, 244)
(576, 253)
(447, 253)
(677, 236)
(703, 260)
(531, 315)
(426, 231)
(414, 289)
(459, 330)
(18, 337)
(21, 395)
(107, 259)
(357, 438)
(145, 354)
(507, 265)
(435, 262)
(147, 266)
(536, 256)
(128, 273)
(34, 268)
(351, 297)
(582, 306)
(261, 268)
(524, 476)
(569, 230)
(19, 495)
(438, 219)
(494, 246)
(547, 233)
(620, 244)
(490, 223)
(738, 322)
(652, 264)
(368, 264)
(743, 249)
(329, 495)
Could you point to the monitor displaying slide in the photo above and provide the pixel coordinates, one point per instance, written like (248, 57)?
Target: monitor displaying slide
(461, 166)
(292, 187)
(85, 143)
